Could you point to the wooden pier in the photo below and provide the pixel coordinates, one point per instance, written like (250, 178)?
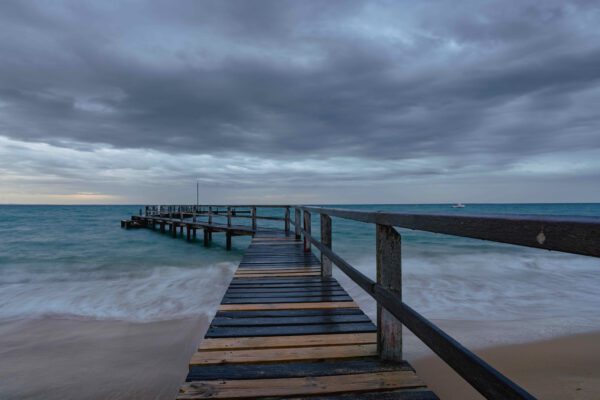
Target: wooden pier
(286, 328)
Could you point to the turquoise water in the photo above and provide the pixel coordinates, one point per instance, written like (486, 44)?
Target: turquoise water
(76, 262)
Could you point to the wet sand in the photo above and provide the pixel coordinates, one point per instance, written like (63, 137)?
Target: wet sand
(68, 359)
(562, 368)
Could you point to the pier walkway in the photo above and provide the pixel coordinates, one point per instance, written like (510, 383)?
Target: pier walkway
(283, 330)
(286, 328)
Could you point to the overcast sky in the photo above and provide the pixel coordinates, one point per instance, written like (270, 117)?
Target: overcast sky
(299, 102)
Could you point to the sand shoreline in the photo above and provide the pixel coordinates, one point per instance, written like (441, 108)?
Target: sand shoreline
(561, 368)
(63, 359)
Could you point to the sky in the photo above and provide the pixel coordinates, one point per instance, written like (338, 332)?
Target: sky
(299, 101)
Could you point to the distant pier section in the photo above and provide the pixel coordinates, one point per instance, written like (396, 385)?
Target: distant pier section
(286, 328)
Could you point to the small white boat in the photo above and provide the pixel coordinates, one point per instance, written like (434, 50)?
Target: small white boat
(458, 205)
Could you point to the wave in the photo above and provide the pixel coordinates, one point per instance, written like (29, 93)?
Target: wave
(162, 293)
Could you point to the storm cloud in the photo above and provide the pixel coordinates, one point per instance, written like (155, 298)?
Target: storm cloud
(259, 97)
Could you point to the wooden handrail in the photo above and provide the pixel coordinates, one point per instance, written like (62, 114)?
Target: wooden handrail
(576, 235)
(479, 374)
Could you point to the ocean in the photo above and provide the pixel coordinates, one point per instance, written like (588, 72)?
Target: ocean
(74, 267)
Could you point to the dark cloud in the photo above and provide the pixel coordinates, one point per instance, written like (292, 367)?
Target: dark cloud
(472, 83)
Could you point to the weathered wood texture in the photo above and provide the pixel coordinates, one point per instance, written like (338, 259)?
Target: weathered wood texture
(577, 235)
(389, 275)
(283, 330)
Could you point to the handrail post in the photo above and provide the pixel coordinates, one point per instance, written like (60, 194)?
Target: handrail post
(297, 226)
(287, 221)
(389, 275)
(228, 216)
(326, 240)
(307, 231)
(254, 219)
(210, 214)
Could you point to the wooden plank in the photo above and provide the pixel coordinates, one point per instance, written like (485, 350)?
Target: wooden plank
(276, 270)
(234, 331)
(283, 288)
(272, 342)
(402, 394)
(253, 294)
(288, 313)
(293, 369)
(275, 280)
(287, 306)
(286, 299)
(321, 319)
(283, 354)
(247, 388)
(263, 275)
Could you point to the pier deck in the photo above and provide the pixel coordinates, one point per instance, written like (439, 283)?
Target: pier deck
(282, 330)
(286, 328)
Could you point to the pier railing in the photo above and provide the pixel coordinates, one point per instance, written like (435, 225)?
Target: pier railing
(565, 234)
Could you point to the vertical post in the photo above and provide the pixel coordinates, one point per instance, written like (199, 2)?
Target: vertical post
(228, 216)
(209, 214)
(326, 240)
(297, 225)
(206, 237)
(173, 229)
(254, 219)
(287, 221)
(228, 240)
(307, 244)
(389, 275)
(194, 233)
(162, 226)
(187, 231)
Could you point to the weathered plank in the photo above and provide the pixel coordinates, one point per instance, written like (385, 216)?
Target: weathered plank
(287, 341)
(276, 321)
(287, 306)
(233, 331)
(247, 388)
(283, 354)
(293, 369)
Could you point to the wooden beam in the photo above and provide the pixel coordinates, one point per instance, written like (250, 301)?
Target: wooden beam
(326, 266)
(389, 276)
(307, 231)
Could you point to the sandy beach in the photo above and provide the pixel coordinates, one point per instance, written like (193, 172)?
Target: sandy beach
(562, 368)
(69, 359)
(64, 359)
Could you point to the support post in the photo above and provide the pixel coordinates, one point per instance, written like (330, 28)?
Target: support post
(326, 266)
(181, 230)
(162, 226)
(206, 237)
(210, 215)
(389, 275)
(297, 225)
(194, 233)
(187, 231)
(228, 240)
(254, 219)
(287, 221)
(228, 216)
(307, 244)
(173, 229)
